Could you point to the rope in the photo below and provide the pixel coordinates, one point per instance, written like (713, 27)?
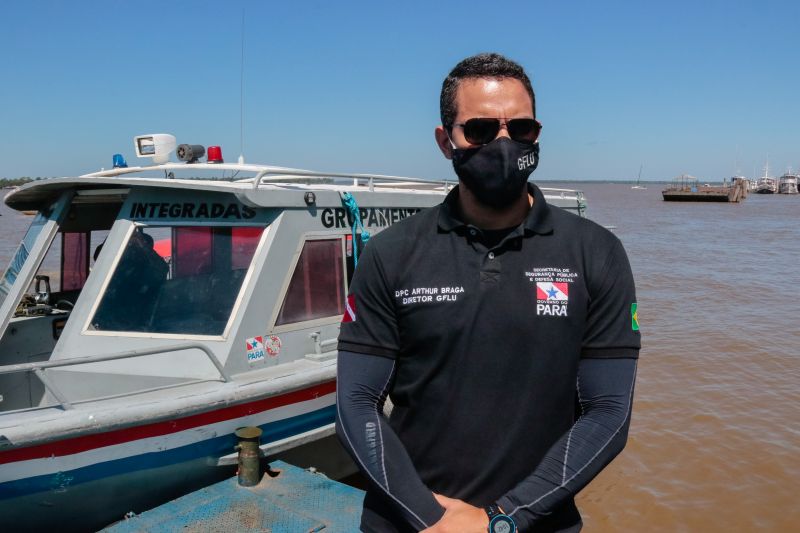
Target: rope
(349, 203)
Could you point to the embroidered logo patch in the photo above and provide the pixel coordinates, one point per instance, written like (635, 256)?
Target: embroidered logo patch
(552, 298)
(634, 317)
(552, 288)
(349, 309)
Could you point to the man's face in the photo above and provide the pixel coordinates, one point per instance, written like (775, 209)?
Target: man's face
(504, 98)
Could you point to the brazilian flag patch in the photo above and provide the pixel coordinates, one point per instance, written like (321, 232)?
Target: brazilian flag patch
(634, 317)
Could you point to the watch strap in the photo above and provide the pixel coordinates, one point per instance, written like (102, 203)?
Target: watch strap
(499, 522)
(493, 510)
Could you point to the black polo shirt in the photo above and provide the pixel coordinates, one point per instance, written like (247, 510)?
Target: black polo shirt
(488, 340)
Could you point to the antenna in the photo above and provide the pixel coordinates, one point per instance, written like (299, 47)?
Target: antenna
(241, 99)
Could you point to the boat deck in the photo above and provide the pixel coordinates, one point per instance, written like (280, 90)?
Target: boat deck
(288, 499)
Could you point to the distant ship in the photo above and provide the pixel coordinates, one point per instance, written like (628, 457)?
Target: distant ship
(766, 184)
(787, 184)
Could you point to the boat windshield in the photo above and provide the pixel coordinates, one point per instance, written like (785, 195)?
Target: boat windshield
(177, 280)
(22, 253)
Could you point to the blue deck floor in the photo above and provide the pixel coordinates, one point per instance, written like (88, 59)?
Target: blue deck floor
(292, 501)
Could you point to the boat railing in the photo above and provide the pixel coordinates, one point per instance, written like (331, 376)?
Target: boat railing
(282, 175)
(580, 198)
(272, 174)
(563, 192)
(39, 368)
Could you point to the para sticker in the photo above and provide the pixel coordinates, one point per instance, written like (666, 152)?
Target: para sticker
(255, 349)
(273, 345)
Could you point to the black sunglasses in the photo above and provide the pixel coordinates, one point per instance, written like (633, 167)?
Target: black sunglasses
(485, 130)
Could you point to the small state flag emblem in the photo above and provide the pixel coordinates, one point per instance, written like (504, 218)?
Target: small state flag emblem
(255, 343)
(255, 349)
(634, 317)
(349, 309)
(554, 292)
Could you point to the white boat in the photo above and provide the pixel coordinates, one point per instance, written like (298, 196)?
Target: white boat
(144, 319)
(787, 184)
(639, 185)
(766, 184)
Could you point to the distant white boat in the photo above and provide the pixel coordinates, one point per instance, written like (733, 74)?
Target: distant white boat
(638, 181)
(766, 184)
(787, 184)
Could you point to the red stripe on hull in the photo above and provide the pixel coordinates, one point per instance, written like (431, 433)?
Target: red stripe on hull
(101, 440)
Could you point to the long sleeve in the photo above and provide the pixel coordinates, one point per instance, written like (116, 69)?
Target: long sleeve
(605, 393)
(362, 388)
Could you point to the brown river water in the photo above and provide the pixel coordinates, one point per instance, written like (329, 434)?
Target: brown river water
(715, 437)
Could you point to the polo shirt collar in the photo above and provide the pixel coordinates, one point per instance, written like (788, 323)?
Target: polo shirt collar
(537, 220)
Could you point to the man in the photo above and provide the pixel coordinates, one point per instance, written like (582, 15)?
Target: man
(512, 384)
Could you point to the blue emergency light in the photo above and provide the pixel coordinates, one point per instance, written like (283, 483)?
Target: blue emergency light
(119, 161)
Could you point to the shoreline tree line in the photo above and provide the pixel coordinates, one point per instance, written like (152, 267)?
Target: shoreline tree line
(15, 182)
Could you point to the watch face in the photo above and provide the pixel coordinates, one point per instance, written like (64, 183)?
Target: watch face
(502, 524)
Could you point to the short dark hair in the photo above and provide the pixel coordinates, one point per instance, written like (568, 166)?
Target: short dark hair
(487, 65)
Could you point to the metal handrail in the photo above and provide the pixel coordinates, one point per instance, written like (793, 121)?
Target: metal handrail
(39, 368)
(280, 174)
(554, 189)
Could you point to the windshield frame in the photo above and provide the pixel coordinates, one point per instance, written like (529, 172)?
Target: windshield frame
(87, 328)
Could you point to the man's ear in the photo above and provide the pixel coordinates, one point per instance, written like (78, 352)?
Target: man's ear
(443, 141)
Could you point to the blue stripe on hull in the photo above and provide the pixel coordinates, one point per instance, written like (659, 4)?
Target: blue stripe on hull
(210, 448)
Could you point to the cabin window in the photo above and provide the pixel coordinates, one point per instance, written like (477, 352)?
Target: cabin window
(316, 289)
(67, 264)
(178, 280)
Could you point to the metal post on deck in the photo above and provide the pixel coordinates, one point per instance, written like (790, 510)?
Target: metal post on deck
(249, 456)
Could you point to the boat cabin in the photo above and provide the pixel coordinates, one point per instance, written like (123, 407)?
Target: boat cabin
(114, 264)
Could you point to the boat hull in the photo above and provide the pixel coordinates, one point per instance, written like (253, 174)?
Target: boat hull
(694, 197)
(85, 483)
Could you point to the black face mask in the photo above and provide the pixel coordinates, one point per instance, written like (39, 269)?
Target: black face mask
(496, 173)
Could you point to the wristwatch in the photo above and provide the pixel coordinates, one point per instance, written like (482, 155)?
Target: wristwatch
(499, 522)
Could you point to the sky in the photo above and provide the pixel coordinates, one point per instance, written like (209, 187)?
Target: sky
(708, 88)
